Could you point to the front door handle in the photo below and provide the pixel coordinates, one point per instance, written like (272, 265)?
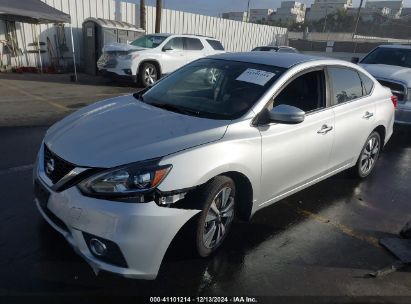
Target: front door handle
(325, 129)
(368, 115)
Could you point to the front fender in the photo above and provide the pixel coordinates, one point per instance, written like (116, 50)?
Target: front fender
(238, 151)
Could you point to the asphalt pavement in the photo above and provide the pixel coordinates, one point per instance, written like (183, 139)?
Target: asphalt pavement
(322, 241)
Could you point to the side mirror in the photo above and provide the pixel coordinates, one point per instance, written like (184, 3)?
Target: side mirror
(355, 59)
(167, 48)
(283, 114)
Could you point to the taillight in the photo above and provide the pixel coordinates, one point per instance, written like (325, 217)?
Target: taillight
(394, 100)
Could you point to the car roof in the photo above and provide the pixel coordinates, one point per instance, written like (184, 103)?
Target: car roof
(283, 60)
(395, 46)
(183, 35)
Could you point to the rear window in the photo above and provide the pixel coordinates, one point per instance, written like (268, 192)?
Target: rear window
(193, 44)
(215, 44)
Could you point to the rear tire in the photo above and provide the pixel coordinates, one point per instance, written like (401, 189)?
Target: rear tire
(148, 74)
(368, 157)
(217, 200)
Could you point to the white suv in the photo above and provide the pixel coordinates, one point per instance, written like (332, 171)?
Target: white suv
(149, 57)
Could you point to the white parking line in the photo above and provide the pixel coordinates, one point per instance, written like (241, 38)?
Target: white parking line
(16, 169)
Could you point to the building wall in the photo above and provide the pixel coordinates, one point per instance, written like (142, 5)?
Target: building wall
(237, 16)
(178, 22)
(290, 11)
(321, 8)
(395, 7)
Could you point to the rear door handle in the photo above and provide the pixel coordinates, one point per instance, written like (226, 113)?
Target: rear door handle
(368, 115)
(325, 129)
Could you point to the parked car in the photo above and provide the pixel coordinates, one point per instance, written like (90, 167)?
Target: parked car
(280, 49)
(149, 57)
(391, 66)
(119, 178)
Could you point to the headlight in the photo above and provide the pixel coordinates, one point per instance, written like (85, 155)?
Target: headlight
(126, 181)
(130, 56)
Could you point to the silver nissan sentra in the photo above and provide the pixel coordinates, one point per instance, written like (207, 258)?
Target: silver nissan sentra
(221, 137)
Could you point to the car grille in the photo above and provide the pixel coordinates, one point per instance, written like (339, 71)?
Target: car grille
(43, 196)
(396, 88)
(59, 165)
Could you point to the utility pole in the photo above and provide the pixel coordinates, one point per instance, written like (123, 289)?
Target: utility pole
(358, 19)
(248, 11)
(158, 15)
(356, 26)
(143, 14)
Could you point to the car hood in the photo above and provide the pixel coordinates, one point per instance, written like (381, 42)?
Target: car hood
(121, 47)
(389, 72)
(124, 130)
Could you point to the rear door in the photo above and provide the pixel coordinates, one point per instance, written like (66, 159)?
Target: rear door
(194, 49)
(354, 109)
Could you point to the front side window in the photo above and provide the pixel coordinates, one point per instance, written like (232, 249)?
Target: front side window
(193, 44)
(213, 88)
(175, 44)
(306, 92)
(345, 83)
(389, 56)
(149, 41)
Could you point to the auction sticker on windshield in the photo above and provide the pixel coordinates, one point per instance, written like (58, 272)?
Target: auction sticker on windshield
(256, 76)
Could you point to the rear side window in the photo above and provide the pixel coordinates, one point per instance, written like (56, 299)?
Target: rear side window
(193, 44)
(215, 44)
(367, 84)
(346, 84)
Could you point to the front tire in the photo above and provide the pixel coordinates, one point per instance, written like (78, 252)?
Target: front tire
(218, 208)
(369, 155)
(148, 74)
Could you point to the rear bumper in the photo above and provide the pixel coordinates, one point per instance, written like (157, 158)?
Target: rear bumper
(142, 232)
(403, 114)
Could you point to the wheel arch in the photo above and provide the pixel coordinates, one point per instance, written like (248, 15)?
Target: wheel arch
(152, 61)
(380, 129)
(244, 194)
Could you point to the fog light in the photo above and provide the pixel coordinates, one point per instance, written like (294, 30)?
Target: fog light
(98, 247)
(127, 71)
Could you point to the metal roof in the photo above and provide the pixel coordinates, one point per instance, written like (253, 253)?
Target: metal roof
(31, 11)
(106, 23)
(283, 60)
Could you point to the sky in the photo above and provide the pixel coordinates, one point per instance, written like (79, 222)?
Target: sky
(216, 7)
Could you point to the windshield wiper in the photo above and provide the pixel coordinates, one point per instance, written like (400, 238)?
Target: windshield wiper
(177, 109)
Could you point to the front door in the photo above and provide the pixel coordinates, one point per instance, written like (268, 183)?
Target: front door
(296, 155)
(173, 55)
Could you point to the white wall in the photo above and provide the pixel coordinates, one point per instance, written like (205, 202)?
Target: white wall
(235, 35)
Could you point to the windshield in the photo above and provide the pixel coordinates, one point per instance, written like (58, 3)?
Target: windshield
(212, 88)
(389, 56)
(149, 41)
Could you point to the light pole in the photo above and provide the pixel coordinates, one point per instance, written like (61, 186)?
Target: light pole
(248, 11)
(358, 19)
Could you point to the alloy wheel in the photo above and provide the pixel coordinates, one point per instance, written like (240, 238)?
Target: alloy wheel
(369, 155)
(150, 75)
(219, 217)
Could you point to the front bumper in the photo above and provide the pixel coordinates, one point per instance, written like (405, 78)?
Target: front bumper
(403, 114)
(142, 231)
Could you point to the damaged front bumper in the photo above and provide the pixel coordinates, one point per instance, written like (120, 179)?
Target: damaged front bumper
(135, 235)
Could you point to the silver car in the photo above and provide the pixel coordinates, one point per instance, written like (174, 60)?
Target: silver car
(391, 66)
(120, 178)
